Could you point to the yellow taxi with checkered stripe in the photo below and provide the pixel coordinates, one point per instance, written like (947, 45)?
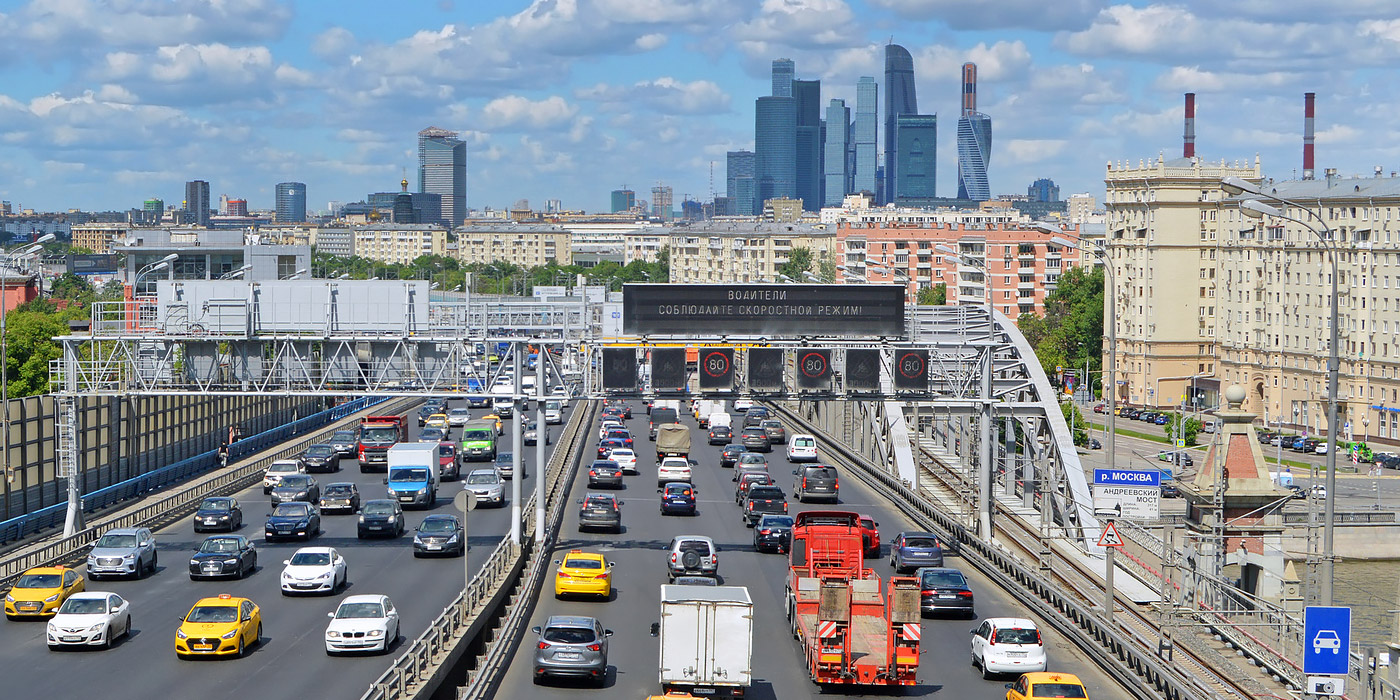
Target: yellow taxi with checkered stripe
(583, 573)
(220, 626)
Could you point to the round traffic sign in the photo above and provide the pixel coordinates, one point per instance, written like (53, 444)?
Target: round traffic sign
(465, 501)
(912, 366)
(813, 364)
(716, 363)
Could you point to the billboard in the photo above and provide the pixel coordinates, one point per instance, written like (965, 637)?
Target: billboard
(764, 309)
(92, 264)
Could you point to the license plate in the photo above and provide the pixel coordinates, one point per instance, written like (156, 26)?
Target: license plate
(211, 521)
(376, 527)
(947, 596)
(434, 546)
(567, 656)
(1015, 654)
(203, 647)
(212, 567)
(72, 639)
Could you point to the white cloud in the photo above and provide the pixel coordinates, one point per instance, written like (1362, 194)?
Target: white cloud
(1003, 60)
(48, 26)
(996, 14)
(664, 94)
(650, 42)
(1034, 150)
(800, 23)
(514, 112)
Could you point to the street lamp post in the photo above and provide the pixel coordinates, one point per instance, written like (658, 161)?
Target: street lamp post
(1256, 209)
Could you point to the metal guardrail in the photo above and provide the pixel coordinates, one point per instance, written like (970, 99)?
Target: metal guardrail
(51, 516)
(416, 669)
(161, 510)
(1144, 675)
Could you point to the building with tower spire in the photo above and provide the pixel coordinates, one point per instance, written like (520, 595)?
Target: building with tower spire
(974, 142)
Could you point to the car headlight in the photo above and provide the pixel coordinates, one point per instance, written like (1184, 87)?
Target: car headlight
(324, 576)
(417, 539)
(423, 491)
(52, 628)
(332, 634)
(94, 628)
(375, 633)
(128, 557)
(229, 634)
(180, 634)
(9, 598)
(304, 523)
(194, 562)
(453, 538)
(51, 599)
(231, 561)
(362, 519)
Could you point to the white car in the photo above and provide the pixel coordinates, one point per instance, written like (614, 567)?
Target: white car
(314, 570)
(606, 426)
(553, 412)
(487, 485)
(459, 416)
(362, 623)
(741, 405)
(275, 471)
(93, 618)
(672, 469)
(1009, 645)
(560, 394)
(625, 458)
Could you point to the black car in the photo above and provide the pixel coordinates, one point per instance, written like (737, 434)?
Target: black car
(292, 520)
(755, 416)
(604, 472)
(296, 487)
(606, 444)
(772, 532)
(218, 513)
(439, 533)
(1265, 437)
(429, 409)
(944, 589)
(761, 500)
(777, 434)
(600, 510)
(381, 517)
(755, 439)
(677, 497)
(343, 442)
(730, 454)
(320, 458)
(721, 435)
(340, 497)
(224, 555)
(1169, 490)
(625, 407)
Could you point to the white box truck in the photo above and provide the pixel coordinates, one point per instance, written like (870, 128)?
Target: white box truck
(413, 474)
(706, 636)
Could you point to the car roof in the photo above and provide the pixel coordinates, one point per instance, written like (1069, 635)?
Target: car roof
(595, 494)
(1012, 622)
(594, 556)
(918, 533)
(224, 537)
(47, 570)
(314, 550)
(334, 484)
(481, 471)
(365, 598)
(381, 500)
(624, 451)
(124, 531)
(285, 462)
(1051, 677)
(691, 538)
(677, 485)
(91, 595)
(440, 516)
(221, 602)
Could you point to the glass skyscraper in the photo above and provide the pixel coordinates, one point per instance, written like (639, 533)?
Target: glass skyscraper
(974, 142)
(442, 169)
(916, 138)
(808, 157)
(899, 99)
(623, 200)
(291, 201)
(197, 201)
(775, 149)
(739, 181)
(838, 144)
(1043, 190)
(783, 70)
(865, 134)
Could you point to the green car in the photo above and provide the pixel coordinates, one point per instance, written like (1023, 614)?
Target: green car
(479, 440)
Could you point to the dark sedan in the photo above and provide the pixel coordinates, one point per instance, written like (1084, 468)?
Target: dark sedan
(381, 517)
(440, 533)
(600, 510)
(761, 500)
(942, 589)
(291, 520)
(677, 497)
(340, 497)
(320, 458)
(605, 446)
(730, 454)
(343, 442)
(772, 533)
(504, 466)
(755, 439)
(721, 435)
(218, 513)
(622, 434)
(605, 472)
(622, 406)
(224, 555)
(296, 487)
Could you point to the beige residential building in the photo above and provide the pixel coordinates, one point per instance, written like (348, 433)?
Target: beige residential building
(1079, 207)
(645, 244)
(743, 252)
(1162, 236)
(399, 243)
(98, 237)
(526, 245)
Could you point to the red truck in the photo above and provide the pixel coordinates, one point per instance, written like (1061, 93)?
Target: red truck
(377, 435)
(852, 632)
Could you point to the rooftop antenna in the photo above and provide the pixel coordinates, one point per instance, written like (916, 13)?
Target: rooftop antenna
(712, 181)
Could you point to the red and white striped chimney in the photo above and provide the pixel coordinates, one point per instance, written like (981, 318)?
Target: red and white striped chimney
(1308, 98)
(1188, 146)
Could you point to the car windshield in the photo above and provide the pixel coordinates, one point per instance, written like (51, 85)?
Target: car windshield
(343, 436)
(378, 509)
(483, 478)
(775, 521)
(354, 611)
(295, 482)
(475, 435)
(1057, 690)
(460, 412)
(551, 405)
(216, 504)
(920, 543)
(381, 434)
(114, 541)
(945, 577)
(219, 545)
(447, 451)
(583, 563)
(1017, 635)
(298, 510)
(409, 475)
(310, 559)
(340, 490)
(319, 451)
(84, 606)
(284, 468)
(504, 457)
(213, 613)
(437, 525)
(39, 581)
(568, 635)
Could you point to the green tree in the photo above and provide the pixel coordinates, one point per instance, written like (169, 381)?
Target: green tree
(1075, 418)
(1183, 426)
(1071, 332)
(71, 286)
(799, 261)
(936, 295)
(826, 267)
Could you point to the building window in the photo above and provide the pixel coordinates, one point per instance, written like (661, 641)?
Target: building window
(286, 266)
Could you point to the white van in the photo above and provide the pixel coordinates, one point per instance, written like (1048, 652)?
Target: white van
(719, 418)
(802, 448)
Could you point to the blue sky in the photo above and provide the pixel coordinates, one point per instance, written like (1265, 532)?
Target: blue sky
(104, 103)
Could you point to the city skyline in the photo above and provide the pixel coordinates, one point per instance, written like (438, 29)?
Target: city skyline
(104, 108)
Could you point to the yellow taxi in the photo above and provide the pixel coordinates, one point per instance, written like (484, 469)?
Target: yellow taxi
(39, 591)
(219, 626)
(494, 417)
(673, 695)
(1046, 685)
(583, 573)
(436, 420)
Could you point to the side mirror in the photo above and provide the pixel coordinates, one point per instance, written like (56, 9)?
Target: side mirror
(580, 501)
(693, 463)
(1008, 686)
(655, 628)
(607, 633)
(794, 472)
(286, 562)
(658, 490)
(330, 615)
(386, 479)
(556, 562)
(972, 631)
(536, 630)
(621, 503)
(612, 564)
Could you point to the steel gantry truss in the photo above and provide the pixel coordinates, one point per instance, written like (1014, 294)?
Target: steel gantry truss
(328, 337)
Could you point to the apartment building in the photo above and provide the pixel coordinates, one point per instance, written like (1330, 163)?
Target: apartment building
(399, 243)
(714, 252)
(99, 238)
(333, 240)
(1019, 261)
(526, 245)
(645, 244)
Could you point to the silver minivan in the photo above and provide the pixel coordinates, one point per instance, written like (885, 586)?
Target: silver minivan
(572, 646)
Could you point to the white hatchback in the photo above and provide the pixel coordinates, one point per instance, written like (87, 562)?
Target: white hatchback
(1009, 645)
(275, 471)
(673, 469)
(314, 570)
(625, 458)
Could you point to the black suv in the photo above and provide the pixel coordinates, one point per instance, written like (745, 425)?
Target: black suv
(815, 481)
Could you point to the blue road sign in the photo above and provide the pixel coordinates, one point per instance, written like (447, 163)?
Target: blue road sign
(1326, 640)
(1126, 477)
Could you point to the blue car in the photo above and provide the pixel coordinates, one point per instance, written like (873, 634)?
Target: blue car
(293, 519)
(911, 550)
(677, 497)
(1161, 419)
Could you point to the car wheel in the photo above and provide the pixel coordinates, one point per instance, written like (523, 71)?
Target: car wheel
(107, 640)
(155, 559)
(986, 675)
(126, 630)
(241, 650)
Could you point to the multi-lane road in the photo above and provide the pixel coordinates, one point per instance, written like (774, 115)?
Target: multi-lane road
(945, 668)
(291, 661)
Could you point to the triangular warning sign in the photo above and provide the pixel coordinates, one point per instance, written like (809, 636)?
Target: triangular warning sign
(1110, 537)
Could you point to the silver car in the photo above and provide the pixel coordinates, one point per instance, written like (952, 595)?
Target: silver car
(127, 551)
(487, 486)
(572, 646)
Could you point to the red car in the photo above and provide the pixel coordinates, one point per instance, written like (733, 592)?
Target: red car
(1099, 408)
(870, 535)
